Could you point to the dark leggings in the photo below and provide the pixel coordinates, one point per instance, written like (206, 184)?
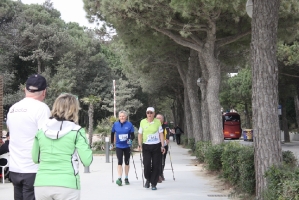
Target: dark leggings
(120, 153)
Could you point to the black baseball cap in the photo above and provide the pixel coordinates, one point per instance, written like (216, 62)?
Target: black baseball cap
(35, 83)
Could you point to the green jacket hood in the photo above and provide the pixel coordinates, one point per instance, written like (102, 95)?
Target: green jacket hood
(55, 129)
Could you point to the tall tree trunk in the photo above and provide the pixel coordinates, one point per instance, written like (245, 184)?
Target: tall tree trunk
(209, 49)
(90, 126)
(214, 107)
(208, 54)
(180, 110)
(192, 90)
(183, 70)
(296, 100)
(173, 108)
(176, 104)
(247, 116)
(188, 118)
(204, 103)
(285, 120)
(266, 131)
(39, 66)
(1, 104)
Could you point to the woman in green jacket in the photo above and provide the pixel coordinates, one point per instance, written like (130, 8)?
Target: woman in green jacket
(57, 148)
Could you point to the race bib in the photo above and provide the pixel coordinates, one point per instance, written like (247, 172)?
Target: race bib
(152, 138)
(123, 137)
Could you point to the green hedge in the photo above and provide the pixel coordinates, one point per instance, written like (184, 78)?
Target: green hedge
(213, 157)
(201, 149)
(246, 182)
(289, 158)
(290, 190)
(236, 163)
(230, 162)
(191, 144)
(184, 140)
(282, 183)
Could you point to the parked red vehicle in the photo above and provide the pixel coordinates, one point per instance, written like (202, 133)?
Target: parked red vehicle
(231, 125)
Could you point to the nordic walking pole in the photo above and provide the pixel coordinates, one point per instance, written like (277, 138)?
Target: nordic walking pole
(133, 163)
(171, 165)
(112, 161)
(141, 170)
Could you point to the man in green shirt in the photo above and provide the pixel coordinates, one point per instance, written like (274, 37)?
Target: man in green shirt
(149, 140)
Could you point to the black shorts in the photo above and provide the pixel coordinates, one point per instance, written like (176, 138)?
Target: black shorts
(120, 153)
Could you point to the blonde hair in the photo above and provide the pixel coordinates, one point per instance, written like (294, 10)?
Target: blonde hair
(66, 107)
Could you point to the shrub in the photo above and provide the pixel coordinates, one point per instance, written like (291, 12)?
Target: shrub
(246, 182)
(230, 162)
(104, 126)
(135, 141)
(213, 157)
(279, 178)
(201, 149)
(290, 190)
(184, 140)
(191, 144)
(289, 158)
(98, 146)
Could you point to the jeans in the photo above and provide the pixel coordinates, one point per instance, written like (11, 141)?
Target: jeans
(23, 185)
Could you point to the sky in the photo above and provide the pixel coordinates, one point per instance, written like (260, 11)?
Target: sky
(71, 10)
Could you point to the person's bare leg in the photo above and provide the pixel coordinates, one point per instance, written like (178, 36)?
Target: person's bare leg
(127, 168)
(120, 170)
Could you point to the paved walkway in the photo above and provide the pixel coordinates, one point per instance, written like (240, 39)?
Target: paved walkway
(290, 146)
(190, 182)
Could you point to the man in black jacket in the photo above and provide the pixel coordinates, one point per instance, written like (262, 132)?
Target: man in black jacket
(166, 141)
(178, 131)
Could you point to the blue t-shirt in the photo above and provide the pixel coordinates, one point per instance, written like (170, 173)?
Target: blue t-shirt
(122, 133)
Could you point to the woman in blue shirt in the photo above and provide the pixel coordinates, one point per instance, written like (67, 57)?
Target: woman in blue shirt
(122, 134)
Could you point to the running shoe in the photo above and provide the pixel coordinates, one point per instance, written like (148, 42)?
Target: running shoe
(127, 181)
(147, 184)
(154, 187)
(119, 182)
(160, 179)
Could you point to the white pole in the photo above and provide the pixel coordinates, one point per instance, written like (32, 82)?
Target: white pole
(114, 101)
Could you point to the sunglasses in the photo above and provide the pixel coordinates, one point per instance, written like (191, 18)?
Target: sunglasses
(149, 112)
